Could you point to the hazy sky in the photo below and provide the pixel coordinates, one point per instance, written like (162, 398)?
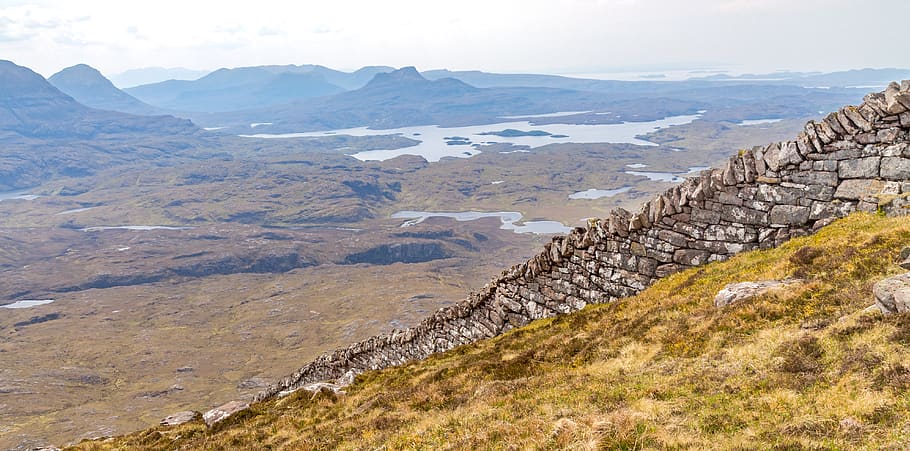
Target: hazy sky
(555, 36)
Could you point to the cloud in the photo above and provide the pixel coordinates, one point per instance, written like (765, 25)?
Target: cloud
(270, 31)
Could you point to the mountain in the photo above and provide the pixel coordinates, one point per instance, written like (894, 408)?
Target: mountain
(149, 75)
(45, 132)
(407, 98)
(251, 87)
(85, 84)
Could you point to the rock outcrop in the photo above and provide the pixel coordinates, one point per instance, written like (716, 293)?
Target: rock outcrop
(738, 292)
(857, 158)
(892, 295)
(223, 411)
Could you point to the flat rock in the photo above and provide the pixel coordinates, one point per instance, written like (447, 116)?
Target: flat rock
(892, 295)
(738, 292)
(223, 411)
(180, 418)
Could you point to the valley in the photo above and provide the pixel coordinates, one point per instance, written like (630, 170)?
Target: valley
(190, 266)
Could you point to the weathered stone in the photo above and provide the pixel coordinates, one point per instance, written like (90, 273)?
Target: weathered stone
(814, 178)
(742, 291)
(857, 118)
(775, 159)
(180, 418)
(892, 295)
(690, 257)
(862, 168)
(223, 411)
(789, 215)
(894, 168)
(856, 189)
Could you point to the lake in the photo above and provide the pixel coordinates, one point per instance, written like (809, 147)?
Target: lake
(463, 142)
(27, 303)
(139, 227)
(508, 219)
(598, 193)
(14, 195)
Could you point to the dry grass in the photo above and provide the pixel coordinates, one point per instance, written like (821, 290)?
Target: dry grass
(799, 369)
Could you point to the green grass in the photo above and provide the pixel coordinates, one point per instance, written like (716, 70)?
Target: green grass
(802, 368)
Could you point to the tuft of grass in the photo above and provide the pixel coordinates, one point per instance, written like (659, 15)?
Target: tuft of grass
(808, 367)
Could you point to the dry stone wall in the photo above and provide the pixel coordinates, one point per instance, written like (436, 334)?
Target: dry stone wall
(857, 158)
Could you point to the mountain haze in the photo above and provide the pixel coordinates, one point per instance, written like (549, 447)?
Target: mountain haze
(85, 84)
(48, 133)
(252, 87)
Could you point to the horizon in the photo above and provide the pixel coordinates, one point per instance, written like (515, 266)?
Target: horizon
(580, 37)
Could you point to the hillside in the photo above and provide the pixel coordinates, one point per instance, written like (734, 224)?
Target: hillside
(85, 84)
(807, 367)
(48, 134)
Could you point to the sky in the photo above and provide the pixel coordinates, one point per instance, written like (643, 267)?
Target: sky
(539, 36)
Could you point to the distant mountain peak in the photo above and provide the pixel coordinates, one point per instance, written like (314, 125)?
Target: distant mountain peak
(17, 82)
(81, 74)
(89, 87)
(405, 74)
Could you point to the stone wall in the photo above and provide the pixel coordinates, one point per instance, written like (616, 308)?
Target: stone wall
(857, 158)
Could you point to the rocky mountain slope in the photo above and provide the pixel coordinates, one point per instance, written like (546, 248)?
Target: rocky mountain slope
(809, 366)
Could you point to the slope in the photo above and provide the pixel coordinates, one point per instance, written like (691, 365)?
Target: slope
(46, 133)
(87, 86)
(806, 367)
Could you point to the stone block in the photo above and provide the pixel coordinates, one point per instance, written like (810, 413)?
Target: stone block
(789, 215)
(861, 168)
(857, 189)
(691, 257)
(895, 168)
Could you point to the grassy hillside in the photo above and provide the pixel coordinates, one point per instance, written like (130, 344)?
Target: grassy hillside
(803, 368)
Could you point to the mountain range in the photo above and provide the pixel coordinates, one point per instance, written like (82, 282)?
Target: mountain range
(252, 87)
(46, 132)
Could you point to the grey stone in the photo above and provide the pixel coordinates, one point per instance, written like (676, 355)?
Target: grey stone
(862, 168)
(789, 215)
(223, 411)
(180, 418)
(690, 257)
(895, 168)
(856, 189)
(738, 292)
(892, 295)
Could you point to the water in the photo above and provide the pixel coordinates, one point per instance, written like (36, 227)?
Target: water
(140, 227)
(759, 121)
(433, 145)
(508, 219)
(636, 165)
(669, 177)
(598, 193)
(14, 195)
(27, 303)
(556, 114)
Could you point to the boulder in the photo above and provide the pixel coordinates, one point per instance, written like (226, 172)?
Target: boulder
(223, 411)
(738, 292)
(905, 256)
(180, 418)
(892, 295)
